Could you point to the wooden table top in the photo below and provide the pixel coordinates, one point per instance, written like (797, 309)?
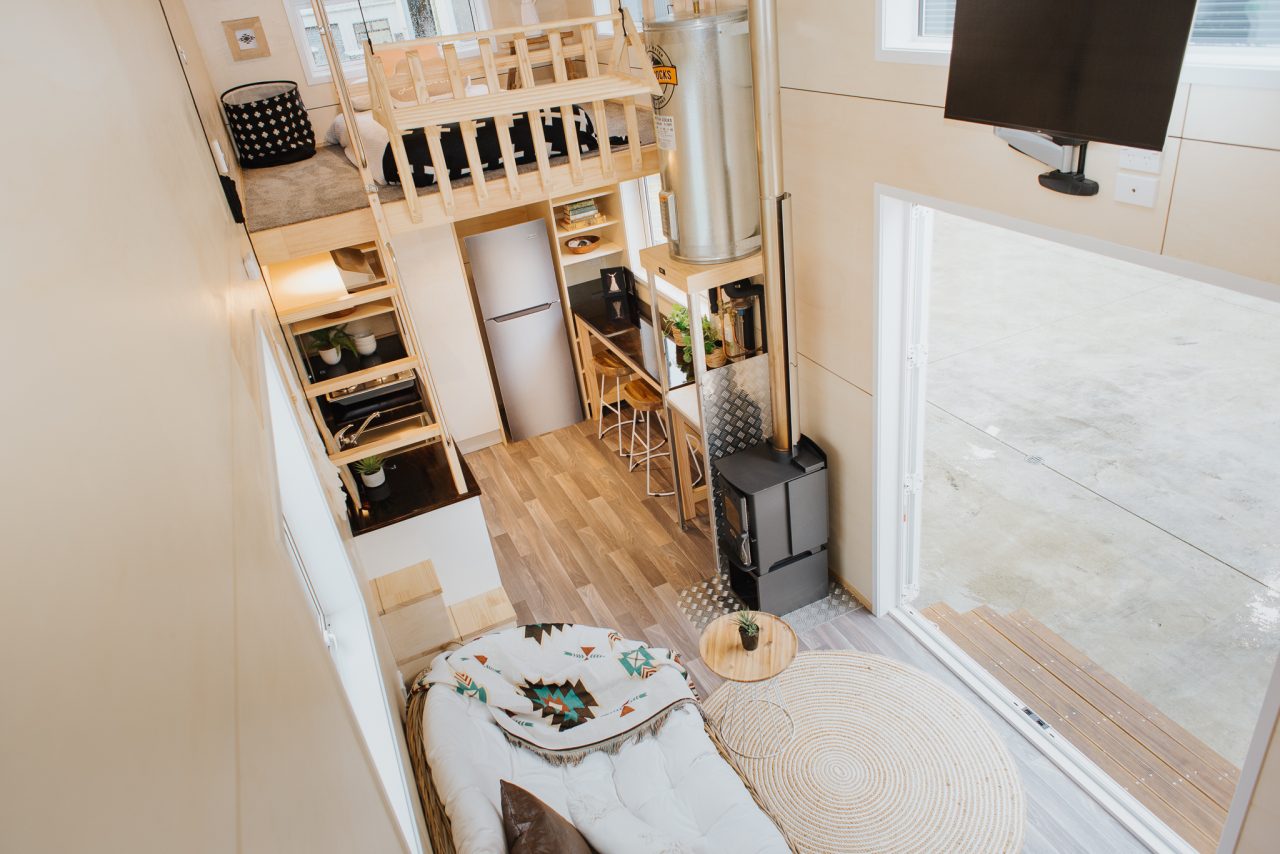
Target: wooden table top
(720, 648)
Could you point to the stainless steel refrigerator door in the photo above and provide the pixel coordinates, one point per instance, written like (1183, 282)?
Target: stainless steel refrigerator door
(512, 268)
(535, 370)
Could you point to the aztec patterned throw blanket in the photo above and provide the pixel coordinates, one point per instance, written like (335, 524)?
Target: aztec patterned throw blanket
(564, 690)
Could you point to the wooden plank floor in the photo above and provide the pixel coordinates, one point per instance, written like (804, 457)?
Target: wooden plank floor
(577, 539)
(1177, 776)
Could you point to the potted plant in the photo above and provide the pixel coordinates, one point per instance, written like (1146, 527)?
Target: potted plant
(366, 343)
(748, 630)
(330, 343)
(712, 346)
(678, 325)
(371, 471)
(713, 343)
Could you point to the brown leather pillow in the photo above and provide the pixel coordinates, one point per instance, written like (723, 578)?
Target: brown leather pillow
(532, 827)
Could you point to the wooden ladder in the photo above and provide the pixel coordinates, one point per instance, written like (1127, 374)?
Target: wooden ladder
(387, 296)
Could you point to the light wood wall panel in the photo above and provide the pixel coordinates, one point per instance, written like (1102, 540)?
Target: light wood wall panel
(1226, 209)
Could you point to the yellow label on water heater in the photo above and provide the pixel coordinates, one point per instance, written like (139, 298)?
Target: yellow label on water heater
(666, 75)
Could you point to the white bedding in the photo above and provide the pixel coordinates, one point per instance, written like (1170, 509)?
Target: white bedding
(661, 795)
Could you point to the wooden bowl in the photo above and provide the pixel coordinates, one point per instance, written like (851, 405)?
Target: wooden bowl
(582, 245)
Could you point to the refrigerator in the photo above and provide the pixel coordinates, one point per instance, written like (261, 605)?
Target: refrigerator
(515, 280)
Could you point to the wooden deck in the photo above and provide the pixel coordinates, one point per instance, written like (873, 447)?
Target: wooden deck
(1178, 777)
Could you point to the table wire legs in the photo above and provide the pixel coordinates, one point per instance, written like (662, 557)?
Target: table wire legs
(744, 698)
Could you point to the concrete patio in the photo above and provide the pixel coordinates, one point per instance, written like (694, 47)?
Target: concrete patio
(1103, 450)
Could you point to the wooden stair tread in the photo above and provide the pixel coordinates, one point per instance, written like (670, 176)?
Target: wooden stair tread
(1170, 777)
(1135, 700)
(1202, 768)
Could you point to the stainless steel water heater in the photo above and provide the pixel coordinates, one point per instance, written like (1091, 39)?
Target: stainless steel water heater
(706, 123)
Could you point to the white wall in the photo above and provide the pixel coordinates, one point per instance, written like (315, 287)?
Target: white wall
(165, 689)
(851, 123)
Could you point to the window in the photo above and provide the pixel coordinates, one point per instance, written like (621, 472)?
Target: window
(319, 58)
(1220, 23)
(643, 222)
(379, 21)
(1225, 33)
(376, 31)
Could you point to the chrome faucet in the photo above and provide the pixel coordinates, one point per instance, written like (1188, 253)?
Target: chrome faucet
(345, 441)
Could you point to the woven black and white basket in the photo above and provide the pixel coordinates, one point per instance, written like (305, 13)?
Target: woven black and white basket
(268, 123)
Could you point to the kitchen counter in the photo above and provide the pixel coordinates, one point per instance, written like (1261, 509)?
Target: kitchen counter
(625, 337)
(418, 482)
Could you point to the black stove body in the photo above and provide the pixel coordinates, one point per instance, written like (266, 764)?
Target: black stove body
(776, 526)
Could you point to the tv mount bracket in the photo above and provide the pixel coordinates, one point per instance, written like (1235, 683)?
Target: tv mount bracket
(1065, 155)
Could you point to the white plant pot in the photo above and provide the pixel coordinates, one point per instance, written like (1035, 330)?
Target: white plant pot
(331, 356)
(366, 344)
(376, 479)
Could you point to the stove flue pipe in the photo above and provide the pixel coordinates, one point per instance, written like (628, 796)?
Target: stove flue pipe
(775, 226)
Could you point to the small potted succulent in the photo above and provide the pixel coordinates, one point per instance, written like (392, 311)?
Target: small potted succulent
(329, 343)
(748, 630)
(371, 471)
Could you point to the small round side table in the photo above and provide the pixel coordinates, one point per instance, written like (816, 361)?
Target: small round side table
(752, 676)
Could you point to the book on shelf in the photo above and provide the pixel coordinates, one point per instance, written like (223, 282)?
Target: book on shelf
(573, 225)
(582, 214)
(585, 203)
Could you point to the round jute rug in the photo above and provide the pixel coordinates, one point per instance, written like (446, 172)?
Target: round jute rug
(885, 759)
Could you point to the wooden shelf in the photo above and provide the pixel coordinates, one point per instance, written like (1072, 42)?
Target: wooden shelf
(369, 309)
(696, 278)
(411, 435)
(605, 248)
(565, 234)
(386, 369)
(595, 194)
(337, 303)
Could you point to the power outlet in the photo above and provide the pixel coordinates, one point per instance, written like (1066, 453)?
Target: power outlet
(1137, 189)
(1140, 160)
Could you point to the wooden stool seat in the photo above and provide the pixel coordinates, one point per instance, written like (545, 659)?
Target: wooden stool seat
(642, 396)
(609, 365)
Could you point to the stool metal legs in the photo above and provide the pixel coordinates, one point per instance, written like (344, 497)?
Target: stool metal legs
(615, 408)
(649, 451)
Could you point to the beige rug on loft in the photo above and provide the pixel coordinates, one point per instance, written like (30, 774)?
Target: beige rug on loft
(885, 759)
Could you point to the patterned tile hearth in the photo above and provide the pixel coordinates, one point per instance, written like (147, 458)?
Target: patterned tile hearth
(703, 601)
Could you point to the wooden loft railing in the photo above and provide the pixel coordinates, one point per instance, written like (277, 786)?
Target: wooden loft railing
(428, 84)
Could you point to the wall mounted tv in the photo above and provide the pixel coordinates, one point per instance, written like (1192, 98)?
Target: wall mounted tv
(1077, 70)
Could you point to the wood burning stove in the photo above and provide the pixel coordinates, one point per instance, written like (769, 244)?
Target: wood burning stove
(775, 529)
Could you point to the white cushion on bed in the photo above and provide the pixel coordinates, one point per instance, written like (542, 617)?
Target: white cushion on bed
(669, 793)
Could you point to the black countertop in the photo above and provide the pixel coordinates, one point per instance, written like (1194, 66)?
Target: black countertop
(418, 481)
(587, 302)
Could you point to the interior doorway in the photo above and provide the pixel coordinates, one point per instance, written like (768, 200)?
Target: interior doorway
(1081, 492)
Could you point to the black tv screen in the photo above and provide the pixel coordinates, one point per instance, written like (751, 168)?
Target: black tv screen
(1103, 70)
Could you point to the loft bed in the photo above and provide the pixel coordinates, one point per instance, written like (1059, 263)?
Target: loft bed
(478, 92)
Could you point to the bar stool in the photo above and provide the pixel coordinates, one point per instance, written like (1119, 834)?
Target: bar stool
(644, 403)
(608, 366)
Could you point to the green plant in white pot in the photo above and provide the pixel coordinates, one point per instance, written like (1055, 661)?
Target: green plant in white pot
(329, 343)
(371, 471)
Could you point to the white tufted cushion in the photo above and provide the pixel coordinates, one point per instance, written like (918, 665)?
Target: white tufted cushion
(669, 794)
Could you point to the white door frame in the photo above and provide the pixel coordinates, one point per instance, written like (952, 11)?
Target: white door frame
(902, 261)
(904, 246)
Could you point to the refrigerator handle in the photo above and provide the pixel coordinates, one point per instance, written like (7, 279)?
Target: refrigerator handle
(515, 315)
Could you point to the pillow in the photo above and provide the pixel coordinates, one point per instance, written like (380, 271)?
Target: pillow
(532, 827)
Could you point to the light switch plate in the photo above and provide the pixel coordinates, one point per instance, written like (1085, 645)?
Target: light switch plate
(1137, 189)
(1140, 160)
